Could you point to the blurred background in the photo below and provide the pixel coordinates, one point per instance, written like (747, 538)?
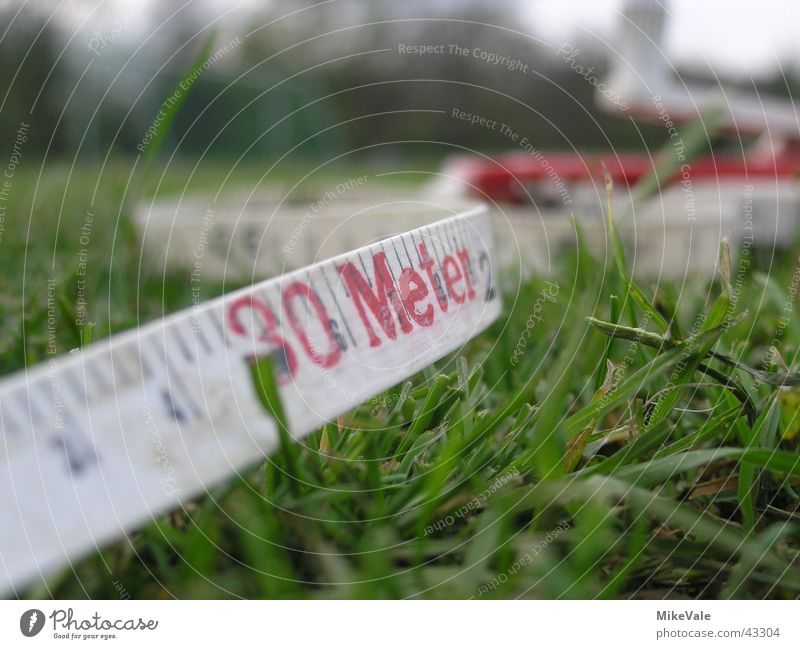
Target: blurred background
(321, 79)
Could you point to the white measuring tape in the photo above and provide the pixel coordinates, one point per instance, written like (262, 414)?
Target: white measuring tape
(98, 442)
(232, 239)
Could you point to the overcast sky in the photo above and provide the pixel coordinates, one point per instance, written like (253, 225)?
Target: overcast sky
(736, 37)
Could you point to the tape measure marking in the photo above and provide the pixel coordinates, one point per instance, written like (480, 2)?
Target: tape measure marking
(98, 442)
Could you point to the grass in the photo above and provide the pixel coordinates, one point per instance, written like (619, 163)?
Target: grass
(626, 455)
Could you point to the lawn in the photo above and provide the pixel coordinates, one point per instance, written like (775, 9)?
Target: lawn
(656, 458)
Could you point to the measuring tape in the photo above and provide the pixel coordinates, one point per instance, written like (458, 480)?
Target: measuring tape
(100, 441)
(248, 237)
(252, 236)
